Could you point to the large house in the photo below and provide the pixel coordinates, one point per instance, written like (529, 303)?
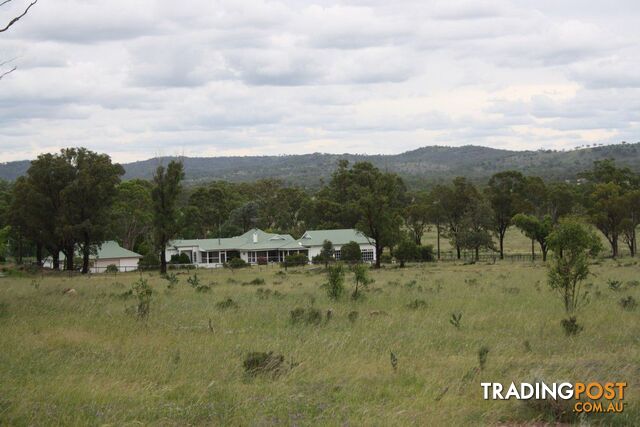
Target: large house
(109, 253)
(256, 246)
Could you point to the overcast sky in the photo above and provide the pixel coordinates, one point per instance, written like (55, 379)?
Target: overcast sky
(143, 78)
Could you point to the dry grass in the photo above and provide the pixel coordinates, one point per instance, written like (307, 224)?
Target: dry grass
(81, 359)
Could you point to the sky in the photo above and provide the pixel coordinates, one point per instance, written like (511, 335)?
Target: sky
(138, 79)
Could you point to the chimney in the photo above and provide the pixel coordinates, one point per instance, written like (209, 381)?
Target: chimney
(255, 237)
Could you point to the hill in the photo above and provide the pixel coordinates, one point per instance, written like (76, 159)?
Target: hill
(423, 166)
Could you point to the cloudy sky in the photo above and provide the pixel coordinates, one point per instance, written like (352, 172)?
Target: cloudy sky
(143, 78)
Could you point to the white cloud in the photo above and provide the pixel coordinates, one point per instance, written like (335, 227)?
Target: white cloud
(138, 79)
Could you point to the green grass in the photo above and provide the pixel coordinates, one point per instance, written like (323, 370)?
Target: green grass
(82, 359)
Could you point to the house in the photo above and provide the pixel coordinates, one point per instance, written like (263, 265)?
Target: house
(256, 246)
(109, 253)
(314, 239)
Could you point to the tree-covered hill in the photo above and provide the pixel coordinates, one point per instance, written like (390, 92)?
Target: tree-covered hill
(425, 165)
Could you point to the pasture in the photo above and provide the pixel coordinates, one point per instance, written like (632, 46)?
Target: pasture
(83, 358)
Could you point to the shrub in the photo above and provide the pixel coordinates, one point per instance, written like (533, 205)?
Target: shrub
(571, 326)
(482, 356)
(335, 284)
(629, 303)
(406, 251)
(149, 260)
(353, 316)
(361, 277)
(425, 253)
(351, 253)
(614, 285)
(142, 292)
(228, 303)
(386, 258)
(194, 281)
(172, 279)
(417, 304)
(182, 258)
(256, 363)
(263, 260)
(258, 281)
(296, 260)
(455, 319)
(310, 316)
(235, 263)
(111, 268)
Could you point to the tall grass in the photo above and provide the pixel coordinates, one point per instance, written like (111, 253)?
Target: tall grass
(82, 359)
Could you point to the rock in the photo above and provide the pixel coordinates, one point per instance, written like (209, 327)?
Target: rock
(70, 291)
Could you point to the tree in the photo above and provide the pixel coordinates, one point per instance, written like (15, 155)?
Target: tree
(536, 229)
(245, 217)
(505, 193)
(417, 215)
(561, 199)
(39, 197)
(608, 211)
(572, 243)
(87, 199)
(437, 214)
(166, 190)
(132, 214)
(367, 199)
(474, 230)
(360, 277)
(327, 252)
(406, 250)
(454, 202)
(631, 222)
(350, 253)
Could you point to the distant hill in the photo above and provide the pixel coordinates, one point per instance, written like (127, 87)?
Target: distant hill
(423, 166)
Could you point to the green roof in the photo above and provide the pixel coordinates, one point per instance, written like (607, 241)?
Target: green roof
(337, 237)
(109, 250)
(245, 242)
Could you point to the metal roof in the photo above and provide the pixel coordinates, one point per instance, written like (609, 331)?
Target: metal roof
(337, 237)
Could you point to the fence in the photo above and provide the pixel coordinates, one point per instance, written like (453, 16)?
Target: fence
(488, 257)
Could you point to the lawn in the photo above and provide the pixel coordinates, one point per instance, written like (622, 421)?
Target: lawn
(83, 358)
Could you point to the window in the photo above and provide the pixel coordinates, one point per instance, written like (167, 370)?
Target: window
(336, 254)
(253, 257)
(367, 254)
(213, 257)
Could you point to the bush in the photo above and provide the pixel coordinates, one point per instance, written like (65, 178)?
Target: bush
(111, 268)
(351, 253)
(425, 253)
(149, 260)
(182, 258)
(228, 303)
(335, 284)
(234, 263)
(310, 316)
(386, 258)
(296, 260)
(143, 292)
(571, 326)
(256, 363)
(417, 304)
(614, 285)
(629, 303)
(263, 260)
(258, 281)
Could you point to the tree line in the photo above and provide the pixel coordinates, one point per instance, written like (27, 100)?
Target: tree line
(70, 202)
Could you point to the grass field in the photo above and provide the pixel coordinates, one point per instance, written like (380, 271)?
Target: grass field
(83, 359)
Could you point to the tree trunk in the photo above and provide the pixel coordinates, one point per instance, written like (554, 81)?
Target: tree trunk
(614, 246)
(85, 254)
(39, 253)
(458, 251)
(501, 238)
(438, 239)
(69, 254)
(19, 257)
(378, 254)
(55, 261)
(477, 253)
(163, 257)
(533, 250)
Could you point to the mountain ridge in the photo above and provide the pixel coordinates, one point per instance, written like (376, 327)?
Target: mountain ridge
(424, 165)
